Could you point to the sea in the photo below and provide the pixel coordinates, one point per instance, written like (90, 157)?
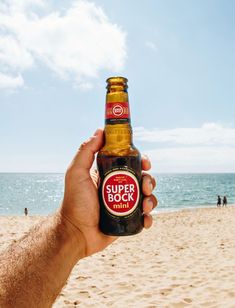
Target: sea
(42, 193)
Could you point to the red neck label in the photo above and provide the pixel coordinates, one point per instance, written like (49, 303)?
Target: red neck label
(117, 110)
(120, 191)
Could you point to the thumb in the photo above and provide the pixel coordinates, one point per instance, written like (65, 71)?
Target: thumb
(85, 155)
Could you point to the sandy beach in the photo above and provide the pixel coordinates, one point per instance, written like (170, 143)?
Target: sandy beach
(185, 260)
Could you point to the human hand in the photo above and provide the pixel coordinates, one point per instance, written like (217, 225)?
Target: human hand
(80, 206)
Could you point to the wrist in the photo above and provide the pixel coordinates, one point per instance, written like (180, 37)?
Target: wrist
(71, 236)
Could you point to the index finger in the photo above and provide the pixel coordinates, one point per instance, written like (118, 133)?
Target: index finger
(145, 162)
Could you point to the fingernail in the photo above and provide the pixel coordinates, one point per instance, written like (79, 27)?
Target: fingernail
(151, 185)
(145, 156)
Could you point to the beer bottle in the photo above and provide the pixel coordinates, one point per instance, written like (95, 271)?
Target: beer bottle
(119, 166)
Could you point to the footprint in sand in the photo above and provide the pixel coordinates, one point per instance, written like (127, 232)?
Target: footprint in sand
(165, 291)
(188, 300)
(84, 294)
(147, 295)
(81, 278)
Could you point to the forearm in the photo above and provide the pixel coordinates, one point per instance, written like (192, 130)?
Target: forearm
(34, 269)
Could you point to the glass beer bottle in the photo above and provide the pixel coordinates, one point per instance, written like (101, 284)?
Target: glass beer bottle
(119, 166)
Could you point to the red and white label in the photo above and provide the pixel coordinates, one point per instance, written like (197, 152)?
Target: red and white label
(117, 110)
(120, 191)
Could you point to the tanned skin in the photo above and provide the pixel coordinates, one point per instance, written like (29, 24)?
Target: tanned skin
(34, 269)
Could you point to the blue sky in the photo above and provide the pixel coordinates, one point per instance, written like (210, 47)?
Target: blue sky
(178, 56)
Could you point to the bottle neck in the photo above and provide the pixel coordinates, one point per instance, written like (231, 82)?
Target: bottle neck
(118, 131)
(117, 110)
(118, 136)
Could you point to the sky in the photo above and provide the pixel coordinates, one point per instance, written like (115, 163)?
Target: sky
(178, 56)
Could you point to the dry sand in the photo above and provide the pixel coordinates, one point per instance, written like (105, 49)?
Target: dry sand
(185, 260)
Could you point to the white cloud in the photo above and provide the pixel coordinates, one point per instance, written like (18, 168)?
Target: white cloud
(13, 55)
(209, 148)
(13, 82)
(194, 159)
(207, 134)
(85, 86)
(76, 43)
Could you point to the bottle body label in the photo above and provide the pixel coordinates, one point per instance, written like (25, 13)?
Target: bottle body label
(120, 192)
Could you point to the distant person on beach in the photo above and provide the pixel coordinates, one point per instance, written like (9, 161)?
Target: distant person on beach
(26, 211)
(225, 201)
(34, 269)
(219, 201)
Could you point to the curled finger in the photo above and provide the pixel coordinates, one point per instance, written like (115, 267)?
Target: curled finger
(145, 162)
(148, 184)
(148, 221)
(149, 203)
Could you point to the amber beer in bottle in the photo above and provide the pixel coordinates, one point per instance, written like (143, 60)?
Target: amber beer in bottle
(119, 166)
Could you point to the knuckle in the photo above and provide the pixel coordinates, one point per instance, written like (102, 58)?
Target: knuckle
(146, 177)
(155, 201)
(154, 181)
(82, 146)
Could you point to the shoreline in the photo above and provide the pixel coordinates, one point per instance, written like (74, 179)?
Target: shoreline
(157, 211)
